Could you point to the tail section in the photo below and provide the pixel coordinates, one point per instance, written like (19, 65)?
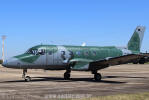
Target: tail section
(135, 42)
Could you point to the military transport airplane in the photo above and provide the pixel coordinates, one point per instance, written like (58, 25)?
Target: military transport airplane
(79, 58)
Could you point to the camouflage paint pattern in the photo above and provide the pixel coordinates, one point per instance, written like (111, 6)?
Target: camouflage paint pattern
(55, 57)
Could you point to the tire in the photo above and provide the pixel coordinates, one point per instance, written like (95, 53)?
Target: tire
(135, 62)
(66, 76)
(97, 77)
(27, 79)
(142, 61)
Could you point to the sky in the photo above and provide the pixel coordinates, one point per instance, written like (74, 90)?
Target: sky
(27, 23)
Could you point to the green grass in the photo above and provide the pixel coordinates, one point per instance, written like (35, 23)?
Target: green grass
(138, 96)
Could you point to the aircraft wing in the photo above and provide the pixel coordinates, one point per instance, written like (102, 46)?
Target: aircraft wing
(101, 64)
(145, 54)
(80, 64)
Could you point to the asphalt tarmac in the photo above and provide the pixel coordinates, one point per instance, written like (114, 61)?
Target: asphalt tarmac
(50, 85)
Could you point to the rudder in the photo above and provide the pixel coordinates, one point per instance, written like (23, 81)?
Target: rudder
(135, 42)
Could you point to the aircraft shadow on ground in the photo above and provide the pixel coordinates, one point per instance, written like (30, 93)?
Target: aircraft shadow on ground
(58, 79)
(123, 77)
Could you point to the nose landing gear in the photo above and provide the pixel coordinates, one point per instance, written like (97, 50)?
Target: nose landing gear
(26, 78)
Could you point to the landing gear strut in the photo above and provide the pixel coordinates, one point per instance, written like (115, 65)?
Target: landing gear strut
(97, 76)
(26, 78)
(67, 74)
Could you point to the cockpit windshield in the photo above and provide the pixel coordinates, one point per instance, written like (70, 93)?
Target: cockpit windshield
(32, 51)
(36, 51)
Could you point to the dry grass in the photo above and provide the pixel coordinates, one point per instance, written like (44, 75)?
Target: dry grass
(139, 96)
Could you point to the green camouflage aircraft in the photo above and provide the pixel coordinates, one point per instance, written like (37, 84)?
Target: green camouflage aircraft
(79, 58)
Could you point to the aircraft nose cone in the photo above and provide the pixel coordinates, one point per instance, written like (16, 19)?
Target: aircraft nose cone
(10, 63)
(4, 63)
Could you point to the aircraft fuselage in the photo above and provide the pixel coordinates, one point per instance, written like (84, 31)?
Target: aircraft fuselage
(52, 57)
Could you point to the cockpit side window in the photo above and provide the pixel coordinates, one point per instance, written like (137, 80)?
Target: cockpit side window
(41, 51)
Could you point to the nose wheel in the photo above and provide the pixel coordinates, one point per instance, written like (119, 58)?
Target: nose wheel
(26, 78)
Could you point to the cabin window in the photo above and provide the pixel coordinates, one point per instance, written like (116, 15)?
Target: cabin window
(86, 53)
(94, 53)
(78, 53)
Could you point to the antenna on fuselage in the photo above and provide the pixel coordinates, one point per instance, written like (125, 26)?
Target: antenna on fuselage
(3, 39)
(83, 44)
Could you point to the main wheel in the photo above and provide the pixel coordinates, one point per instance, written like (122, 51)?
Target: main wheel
(141, 62)
(97, 77)
(27, 78)
(66, 76)
(135, 62)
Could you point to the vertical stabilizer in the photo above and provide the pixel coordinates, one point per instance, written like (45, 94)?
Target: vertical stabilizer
(135, 42)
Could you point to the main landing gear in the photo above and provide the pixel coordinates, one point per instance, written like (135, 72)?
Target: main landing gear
(97, 76)
(26, 78)
(67, 74)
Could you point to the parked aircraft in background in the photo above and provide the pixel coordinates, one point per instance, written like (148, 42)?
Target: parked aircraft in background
(79, 58)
